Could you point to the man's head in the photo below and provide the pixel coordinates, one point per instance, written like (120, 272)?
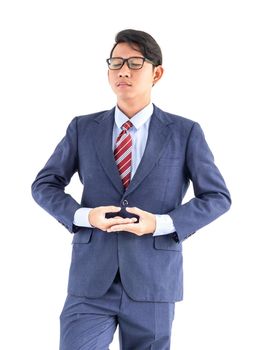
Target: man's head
(134, 67)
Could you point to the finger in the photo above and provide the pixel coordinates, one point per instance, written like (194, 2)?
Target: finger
(135, 210)
(125, 219)
(111, 209)
(121, 221)
(127, 227)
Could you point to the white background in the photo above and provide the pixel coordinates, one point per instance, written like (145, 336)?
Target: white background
(52, 69)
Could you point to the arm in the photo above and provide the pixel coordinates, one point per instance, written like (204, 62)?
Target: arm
(48, 189)
(211, 200)
(212, 197)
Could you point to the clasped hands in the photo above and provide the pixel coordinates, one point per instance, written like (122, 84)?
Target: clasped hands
(145, 225)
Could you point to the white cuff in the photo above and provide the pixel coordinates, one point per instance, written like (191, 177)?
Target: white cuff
(164, 225)
(81, 217)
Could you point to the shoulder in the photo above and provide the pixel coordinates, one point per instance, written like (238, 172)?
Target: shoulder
(169, 118)
(173, 120)
(94, 118)
(88, 122)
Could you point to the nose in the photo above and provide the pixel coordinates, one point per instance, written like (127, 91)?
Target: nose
(124, 71)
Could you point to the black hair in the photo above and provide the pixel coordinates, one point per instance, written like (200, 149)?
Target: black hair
(144, 42)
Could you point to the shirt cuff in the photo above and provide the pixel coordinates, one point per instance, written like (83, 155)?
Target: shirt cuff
(164, 225)
(81, 217)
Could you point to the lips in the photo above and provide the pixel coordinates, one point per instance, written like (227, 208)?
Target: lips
(123, 83)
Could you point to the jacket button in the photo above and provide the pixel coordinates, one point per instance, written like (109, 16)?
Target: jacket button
(125, 202)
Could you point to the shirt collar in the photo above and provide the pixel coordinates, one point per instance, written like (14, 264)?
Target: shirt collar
(137, 120)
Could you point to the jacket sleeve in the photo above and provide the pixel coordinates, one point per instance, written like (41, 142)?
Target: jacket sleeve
(212, 197)
(48, 189)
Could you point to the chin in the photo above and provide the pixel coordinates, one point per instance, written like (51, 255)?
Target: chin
(125, 97)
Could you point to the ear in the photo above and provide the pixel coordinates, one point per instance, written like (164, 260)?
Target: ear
(157, 74)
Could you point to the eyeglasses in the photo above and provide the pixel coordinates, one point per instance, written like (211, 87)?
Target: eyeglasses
(132, 62)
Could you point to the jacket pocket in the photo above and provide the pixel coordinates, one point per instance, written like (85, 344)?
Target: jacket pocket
(166, 242)
(83, 236)
(173, 162)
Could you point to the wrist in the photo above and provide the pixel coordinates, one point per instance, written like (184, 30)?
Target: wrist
(90, 217)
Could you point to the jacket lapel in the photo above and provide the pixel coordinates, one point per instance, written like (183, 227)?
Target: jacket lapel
(158, 136)
(103, 145)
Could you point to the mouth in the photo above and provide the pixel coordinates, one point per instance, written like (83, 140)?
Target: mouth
(122, 84)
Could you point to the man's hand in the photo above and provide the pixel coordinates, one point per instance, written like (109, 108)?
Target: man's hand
(97, 218)
(146, 224)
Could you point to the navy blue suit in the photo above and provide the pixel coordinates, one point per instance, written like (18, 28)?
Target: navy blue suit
(176, 153)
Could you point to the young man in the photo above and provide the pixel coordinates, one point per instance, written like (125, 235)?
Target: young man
(135, 163)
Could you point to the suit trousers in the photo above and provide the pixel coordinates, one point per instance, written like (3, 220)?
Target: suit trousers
(90, 323)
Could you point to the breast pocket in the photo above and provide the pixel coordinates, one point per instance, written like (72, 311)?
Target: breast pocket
(166, 242)
(172, 162)
(83, 236)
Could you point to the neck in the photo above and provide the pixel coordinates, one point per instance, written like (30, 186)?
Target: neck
(130, 108)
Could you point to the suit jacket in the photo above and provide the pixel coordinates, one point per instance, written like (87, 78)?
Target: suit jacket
(176, 153)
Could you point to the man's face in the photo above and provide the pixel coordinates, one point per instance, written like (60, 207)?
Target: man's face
(129, 84)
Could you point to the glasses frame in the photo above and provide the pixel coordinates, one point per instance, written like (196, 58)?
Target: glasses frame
(144, 59)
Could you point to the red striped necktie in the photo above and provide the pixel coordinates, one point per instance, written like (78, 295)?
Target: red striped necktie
(122, 153)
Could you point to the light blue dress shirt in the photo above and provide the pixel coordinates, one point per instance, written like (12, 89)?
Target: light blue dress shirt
(139, 134)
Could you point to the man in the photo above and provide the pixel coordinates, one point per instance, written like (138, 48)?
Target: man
(135, 163)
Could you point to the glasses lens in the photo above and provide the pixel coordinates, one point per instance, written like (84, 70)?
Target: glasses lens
(135, 62)
(115, 63)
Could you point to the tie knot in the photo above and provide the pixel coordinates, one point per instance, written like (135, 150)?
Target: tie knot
(126, 126)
